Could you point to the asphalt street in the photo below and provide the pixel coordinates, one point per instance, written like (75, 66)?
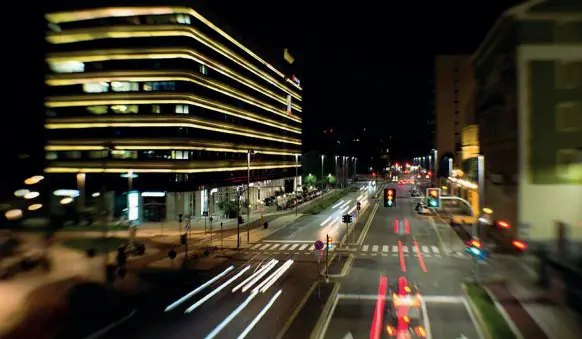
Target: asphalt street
(398, 243)
(153, 322)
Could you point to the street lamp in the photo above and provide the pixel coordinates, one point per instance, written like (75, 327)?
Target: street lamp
(322, 157)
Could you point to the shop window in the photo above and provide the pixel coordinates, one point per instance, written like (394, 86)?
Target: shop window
(125, 109)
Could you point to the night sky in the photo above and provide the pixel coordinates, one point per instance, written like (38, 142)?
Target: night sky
(362, 64)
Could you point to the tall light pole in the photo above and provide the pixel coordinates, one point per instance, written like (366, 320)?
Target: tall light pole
(322, 156)
(296, 181)
(249, 194)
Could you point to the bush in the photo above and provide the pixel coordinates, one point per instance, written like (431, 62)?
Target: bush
(493, 320)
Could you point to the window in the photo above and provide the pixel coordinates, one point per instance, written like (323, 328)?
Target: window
(51, 156)
(204, 69)
(569, 164)
(124, 86)
(67, 67)
(116, 154)
(97, 109)
(568, 116)
(125, 109)
(180, 154)
(98, 154)
(182, 109)
(156, 109)
(183, 19)
(100, 87)
(74, 155)
(567, 75)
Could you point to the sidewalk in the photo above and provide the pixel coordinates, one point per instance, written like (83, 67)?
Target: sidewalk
(536, 313)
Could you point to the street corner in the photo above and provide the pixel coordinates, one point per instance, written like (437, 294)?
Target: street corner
(451, 318)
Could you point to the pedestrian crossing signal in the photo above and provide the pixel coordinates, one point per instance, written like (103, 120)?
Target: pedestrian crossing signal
(389, 197)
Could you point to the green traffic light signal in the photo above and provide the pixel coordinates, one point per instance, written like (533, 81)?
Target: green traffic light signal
(433, 203)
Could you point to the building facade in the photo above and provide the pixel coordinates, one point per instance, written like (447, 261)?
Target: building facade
(160, 99)
(529, 104)
(453, 88)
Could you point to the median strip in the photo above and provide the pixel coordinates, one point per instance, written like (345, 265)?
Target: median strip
(487, 313)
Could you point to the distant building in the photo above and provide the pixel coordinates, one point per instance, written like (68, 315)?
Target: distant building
(160, 99)
(529, 105)
(453, 87)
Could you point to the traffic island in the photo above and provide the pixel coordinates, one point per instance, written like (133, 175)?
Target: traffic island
(310, 313)
(326, 201)
(487, 313)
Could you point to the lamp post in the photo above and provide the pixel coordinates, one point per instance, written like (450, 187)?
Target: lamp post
(249, 194)
(322, 157)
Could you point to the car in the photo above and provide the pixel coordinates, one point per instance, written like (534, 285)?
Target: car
(406, 320)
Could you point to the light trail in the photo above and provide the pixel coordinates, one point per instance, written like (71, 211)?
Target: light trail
(406, 226)
(376, 328)
(231, 316)
(402, 262)
(259, 316)
(214, 292)
(198, 289)
(420, 258)
(396, 226)
(275, 278)
(274, 274)
(325, 221)
(338, 204)
(259, 276)
(256, 273)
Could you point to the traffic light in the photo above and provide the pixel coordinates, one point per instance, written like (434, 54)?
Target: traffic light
(329, 242)
(347, 218)
(358, 205)
(433, 196)
(183, 239)
(389, 197)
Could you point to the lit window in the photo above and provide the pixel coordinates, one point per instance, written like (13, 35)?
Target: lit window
(67, 67)
(568, 116)
(182, 109)
(125, 109)
(74, 154)
(100, 87)
(97, 109)
(156, 109)
(204, 69)
(183, 19)
(98, 154)
(118, 86)
(147, 87)
(160, 86)
(51, 156)
(567, 74)
(116, 154)
(569, 164)
(180, 154)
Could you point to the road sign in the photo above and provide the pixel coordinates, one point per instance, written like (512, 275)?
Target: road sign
(319, 245)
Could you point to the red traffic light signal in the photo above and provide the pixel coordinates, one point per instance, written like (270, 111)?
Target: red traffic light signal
(520, 245)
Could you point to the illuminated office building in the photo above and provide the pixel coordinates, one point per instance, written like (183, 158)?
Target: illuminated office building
(160, 99)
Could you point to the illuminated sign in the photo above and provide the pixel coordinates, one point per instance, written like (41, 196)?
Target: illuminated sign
(133, 206)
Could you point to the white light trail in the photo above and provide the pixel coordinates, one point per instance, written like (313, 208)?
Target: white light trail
(352, 209)
(338, 204)
(259, 316)
(213, 293)
(231, 316)
(344, 209)
(237, 287)
(259, 276)
(264, 282)
(275, 278)
(325, 221)
(345, 204)
(198, 289)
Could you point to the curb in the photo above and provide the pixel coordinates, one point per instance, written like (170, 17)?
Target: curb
(504, 314)
(111, 326)
(296, 311)
(323, 321)
(477, 313)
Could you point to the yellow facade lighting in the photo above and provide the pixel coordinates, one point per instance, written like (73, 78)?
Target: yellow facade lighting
(89, 14)
(164, 98)
(189, 122)
(145, 76)
(147, 31)
(162, 170)
(168, 53)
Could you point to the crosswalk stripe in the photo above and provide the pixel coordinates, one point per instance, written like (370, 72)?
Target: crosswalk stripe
(303, 247)
(312, 248)
(365, 248)
(394, 248)
(375, 248)
(264, 247)
(293, 247)
(256, 246)
(385, 248)
(405, 249)
(436, 250)
(274, 247)
(425, 249)
(284, 246)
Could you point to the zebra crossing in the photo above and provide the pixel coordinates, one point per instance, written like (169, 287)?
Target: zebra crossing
(361, 250)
